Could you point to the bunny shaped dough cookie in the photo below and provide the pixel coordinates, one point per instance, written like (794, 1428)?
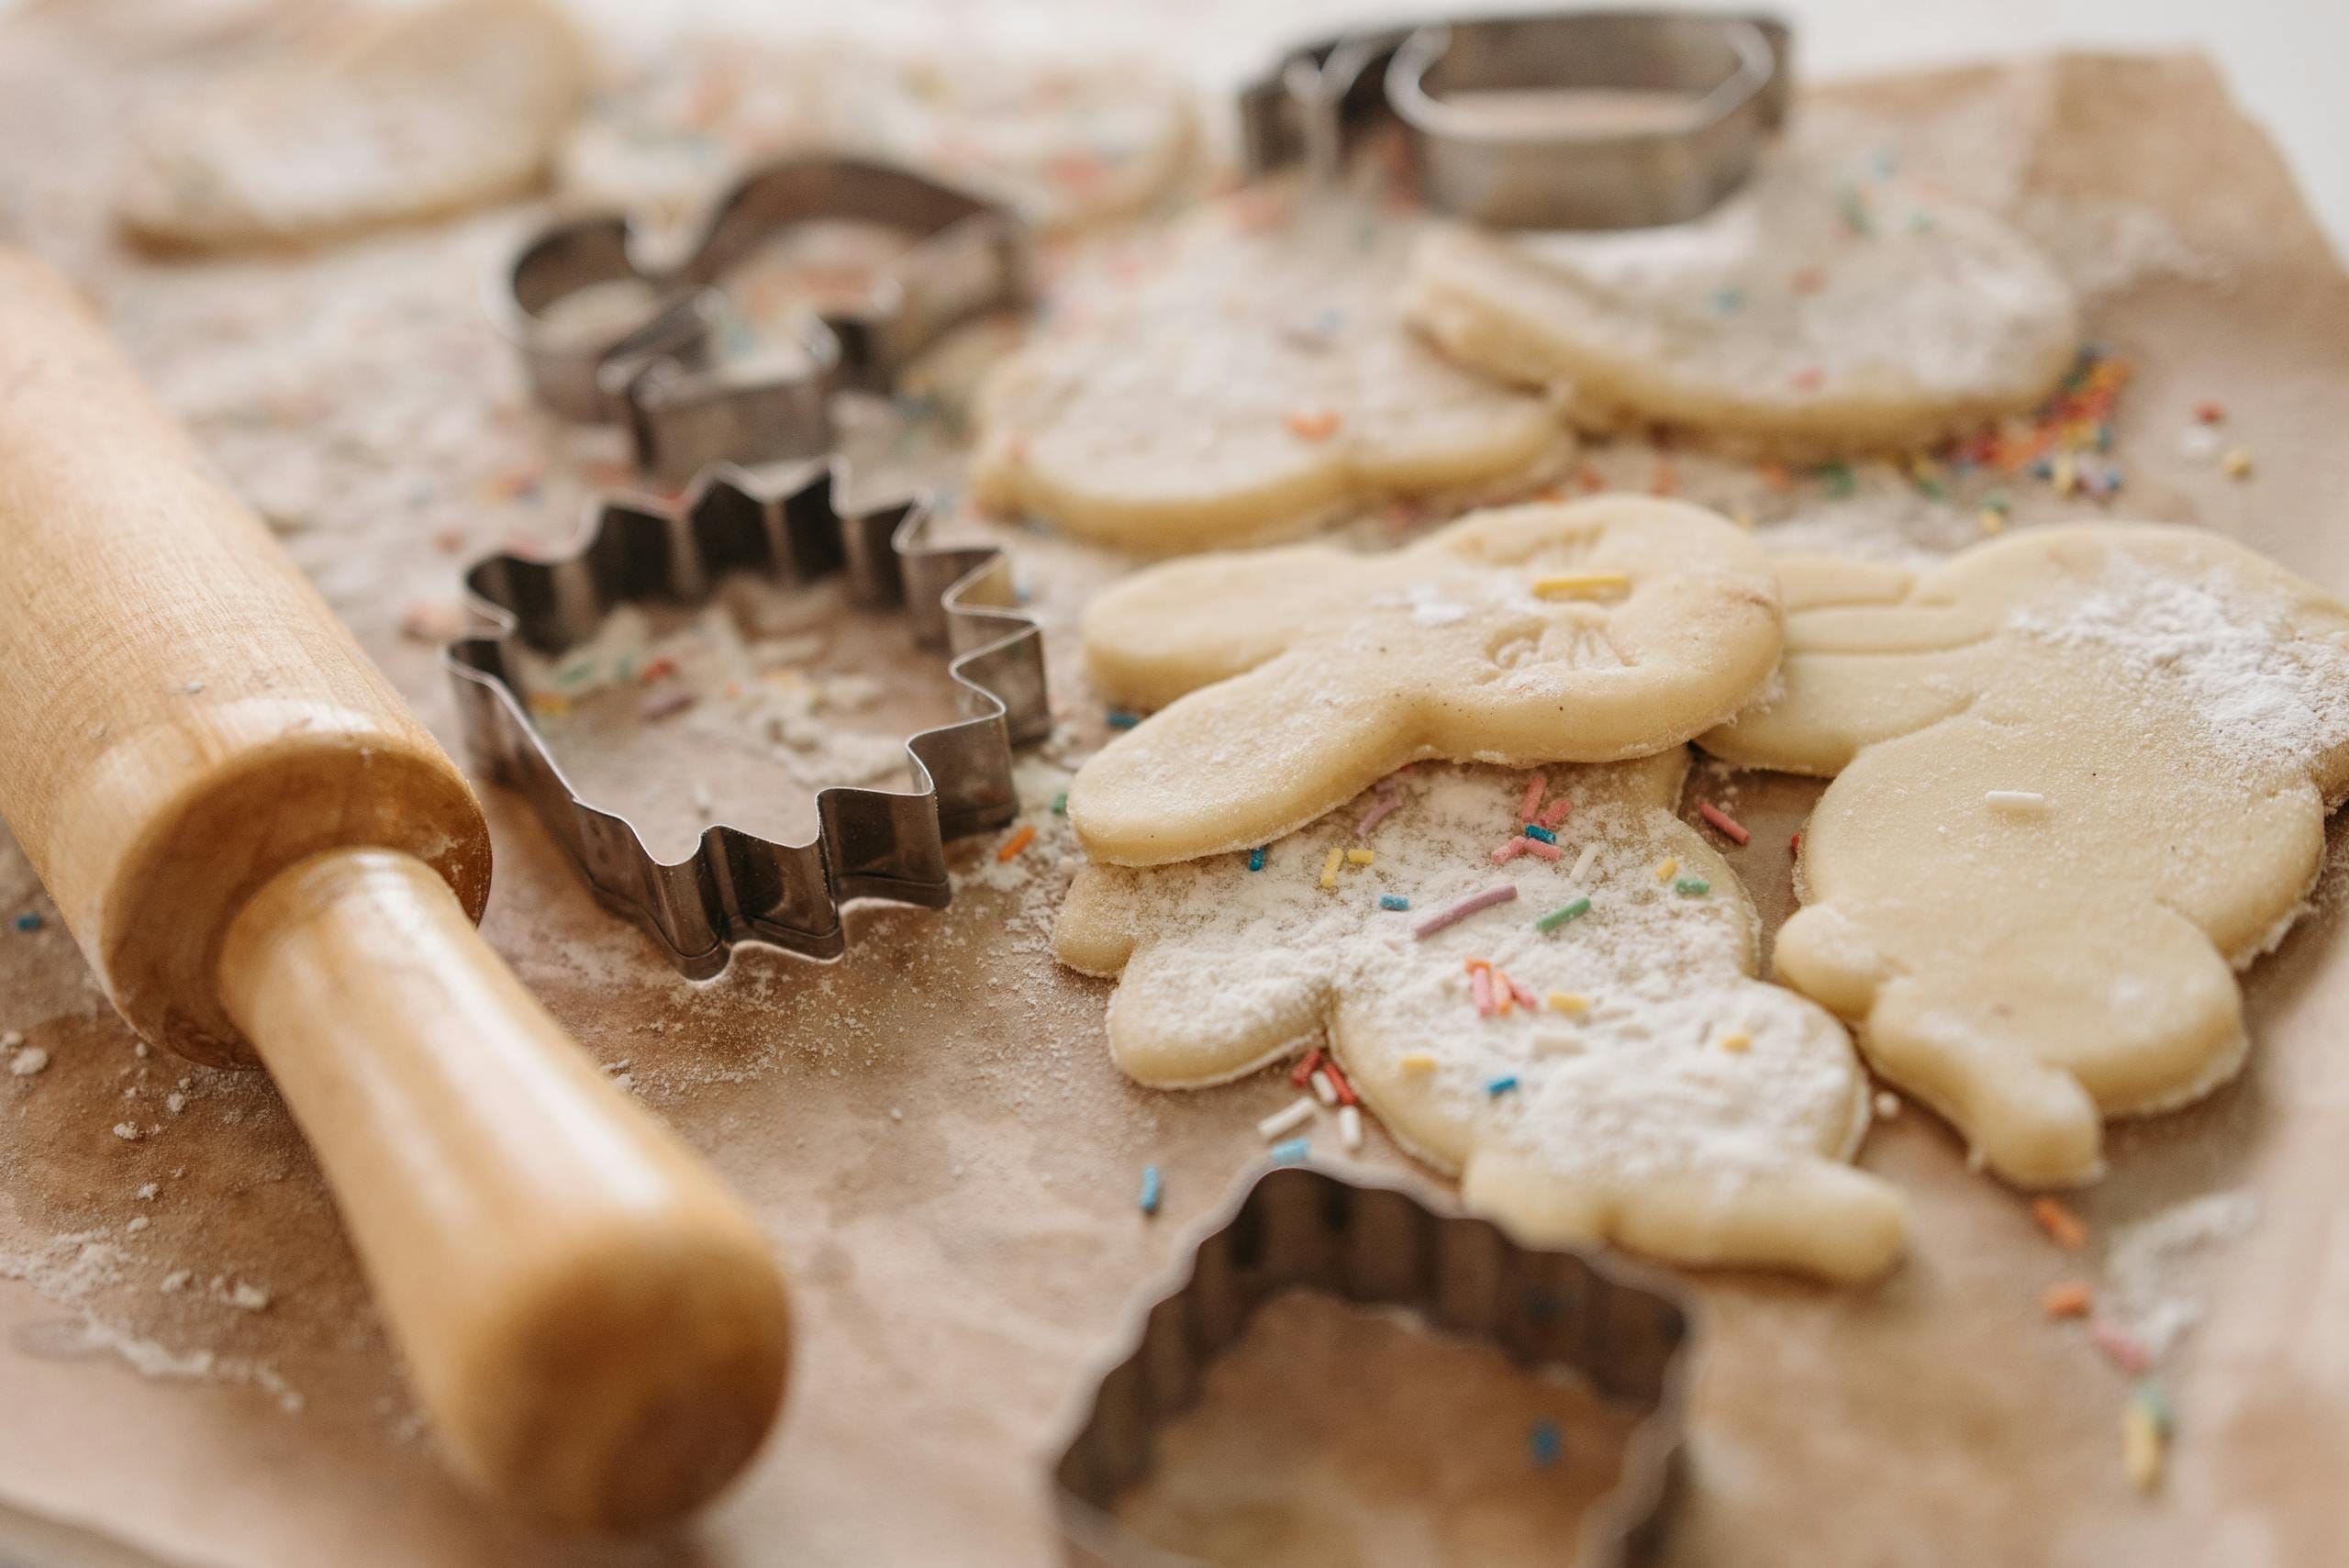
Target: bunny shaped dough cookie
(1588, 632)
(2081, 776)
(1626, 1078)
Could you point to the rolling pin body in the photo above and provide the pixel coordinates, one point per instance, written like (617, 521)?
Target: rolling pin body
(265, 856)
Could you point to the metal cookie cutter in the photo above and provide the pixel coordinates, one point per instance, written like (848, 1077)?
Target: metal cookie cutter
(1375, 1240)
(1498, 161)
(661, 373)
(869, 843)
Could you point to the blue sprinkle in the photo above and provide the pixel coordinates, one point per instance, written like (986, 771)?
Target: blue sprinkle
(1292, 1153)
(1151, 1186)
(1120, 719)
(1547, 1443)
(1393, 901)
(31, 920)
(1535, 830)
(1497, 1087)
(1728, 302)
(1256, 858)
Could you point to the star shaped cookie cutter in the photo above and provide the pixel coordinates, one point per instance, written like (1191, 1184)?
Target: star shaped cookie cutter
(660, 372)
(869, 843)
(1509, 161)
(1381, 1242)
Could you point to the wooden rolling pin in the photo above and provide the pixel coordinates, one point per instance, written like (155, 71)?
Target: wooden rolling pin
(265, 857)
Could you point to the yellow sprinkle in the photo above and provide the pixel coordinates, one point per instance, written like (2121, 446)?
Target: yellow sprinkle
(2066, 477)
(2140, 1446)
(1736, 1041)
(1582, 585)
(554, 705)
(1360, 857)
(1567, 1002)
(1330, 867)
(2236, 464)
(1993, 520)
(1664, 873)
(1418, 1061)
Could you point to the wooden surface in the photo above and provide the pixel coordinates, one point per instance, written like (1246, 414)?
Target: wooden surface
(930, 1131)
(265, 854)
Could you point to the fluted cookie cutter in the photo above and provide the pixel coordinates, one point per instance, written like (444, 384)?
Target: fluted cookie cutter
(1375, 1240)
(659, 370)
(869, 843)
(1513, 164)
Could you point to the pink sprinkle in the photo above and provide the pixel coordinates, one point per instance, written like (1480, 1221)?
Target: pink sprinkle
(1465, 907)
(1539, 850)
(665, 704)
(1729, 825)
(1525, 998)
(1375, 815)
(1533, 789)
(1480, 991)
(1556, 814)
(2120, 1347)
(1509, 850)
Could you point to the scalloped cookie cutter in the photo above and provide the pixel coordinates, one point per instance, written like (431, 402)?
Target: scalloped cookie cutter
(660, 372)
(1375, 1240)
(1505, 159)
(869, 843)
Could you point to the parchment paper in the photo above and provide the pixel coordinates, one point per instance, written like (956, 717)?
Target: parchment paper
(931, 1129)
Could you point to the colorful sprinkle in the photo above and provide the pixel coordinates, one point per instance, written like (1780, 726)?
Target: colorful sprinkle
(1256, 858)
(1393, 901)
(1536, 831)
(2070, 1299)
(2142, 1446)
(664, 705)
(1582, 860)
(1480, 990)
(2148, 1392)
(1522, 993)
(1323, 1090)
(1495, 1087)
(2120, 1347)
(1509, 850)
(1541, 849)
(1837, 477)
(1737, 1042)
(1017, 843)
(1306, 1067)
(2063, 1226)
(1563, 914)
(1471, 905)
(1379, 811)
(2236, 464)
(1313, 424)
(1330, 867)
(1360, 857)
(1153, 1188)
(1416, 1063)
(1119, 718)
(1665, 867)
(1060, 808)
(1730, 827)
(1294, 1153)
(1349, 1129)
(1288, 1119)
(31, 920)
(1581, 585)
(1546, 1442)
(1568, 1001)
(1554, 813)
(1534, 788)
(2209, 413)
(1346, 1095)
(1692, 887)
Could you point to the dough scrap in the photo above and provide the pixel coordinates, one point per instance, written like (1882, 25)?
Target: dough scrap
(1312, 671)
(2179, 705)
(1815, 315)
(423, 114)
(1630, 1122)
(1065, 144)
(1257, 383)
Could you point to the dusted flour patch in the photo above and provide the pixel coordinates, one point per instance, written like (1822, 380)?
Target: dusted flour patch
(1255, 382)
(1831, 307)
(421, 114)
(1586, 633)
(1620, 1075)
(2081, 776)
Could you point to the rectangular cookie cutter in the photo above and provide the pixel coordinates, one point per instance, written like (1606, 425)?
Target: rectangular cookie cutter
(661, 373)
(869, 843)
(1525, 170)
(1377, 1241)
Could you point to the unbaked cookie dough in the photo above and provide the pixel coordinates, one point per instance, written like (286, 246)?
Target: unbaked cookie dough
(1256, 382)
(1824, 311)
(1588, 632)
(1627, 1078)
(422, 113)
(2081, 776)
